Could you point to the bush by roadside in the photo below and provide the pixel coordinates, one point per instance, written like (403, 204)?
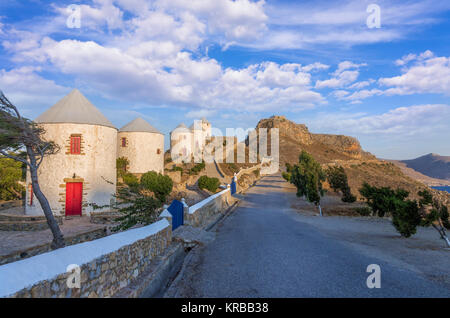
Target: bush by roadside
(211, 184)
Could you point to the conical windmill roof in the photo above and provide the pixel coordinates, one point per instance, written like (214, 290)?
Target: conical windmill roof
(74, 108)
(139, 125)
(181, 128)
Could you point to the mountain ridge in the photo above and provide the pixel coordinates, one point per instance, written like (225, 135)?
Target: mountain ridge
(432, 165)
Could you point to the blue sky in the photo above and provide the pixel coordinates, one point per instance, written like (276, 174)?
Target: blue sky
(235, 62)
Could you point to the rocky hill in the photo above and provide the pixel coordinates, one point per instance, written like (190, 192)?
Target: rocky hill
(328, 149)
(431, 165)
(325, 148)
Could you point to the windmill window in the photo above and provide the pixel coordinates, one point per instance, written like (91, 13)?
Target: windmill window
(75, 144)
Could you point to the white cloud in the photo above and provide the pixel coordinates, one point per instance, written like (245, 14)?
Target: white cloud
(399, 133)
(404, 121)
(200, 113)
(362, 94)
(103, 13)
(339, 94)
(362, 84)
(308, 24)
(411, 57)
(346, 65)
(25, 87)
(314, 67)
(428, 74)
(155, 56)
(266, 86)
(342, 79)
(422, 73)
(235, 20)
(345, 74)
(162, 74)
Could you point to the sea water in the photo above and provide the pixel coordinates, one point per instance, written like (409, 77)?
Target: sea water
(443, 188)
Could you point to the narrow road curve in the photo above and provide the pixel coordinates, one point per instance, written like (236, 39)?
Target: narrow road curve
(262, 250)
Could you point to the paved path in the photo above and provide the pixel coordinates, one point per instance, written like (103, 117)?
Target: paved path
(263, 250)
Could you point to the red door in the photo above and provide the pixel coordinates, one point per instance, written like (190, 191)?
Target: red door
(74, 193)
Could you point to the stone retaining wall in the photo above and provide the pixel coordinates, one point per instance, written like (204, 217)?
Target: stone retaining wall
(200, 213)
(4, 205)
(105, 217)
(43, 248)
(248, 170)
(11, 222)
(106, 265)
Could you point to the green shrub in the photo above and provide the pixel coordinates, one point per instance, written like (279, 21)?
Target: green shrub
(197, 168)
(211, 184)
(159, 184)
(233, 167)
(130, 180)
(288, 167)
(364, 211)
(286, 176)
(135, 208)
(175, 168)
(121, 166)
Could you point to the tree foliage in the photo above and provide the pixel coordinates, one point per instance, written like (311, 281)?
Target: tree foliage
(337, 178)
(136, 208)
(407, 215)
(10, 175)
(382, 200)
(159, 184)
(308, 176)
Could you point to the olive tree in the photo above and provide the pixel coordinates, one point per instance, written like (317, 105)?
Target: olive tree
(308, 176)
(19, 133)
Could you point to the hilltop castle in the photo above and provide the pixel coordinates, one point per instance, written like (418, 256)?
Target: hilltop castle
(185, 142)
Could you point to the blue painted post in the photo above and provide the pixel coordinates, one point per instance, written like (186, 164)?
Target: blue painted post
(176, 209)
(234, 184)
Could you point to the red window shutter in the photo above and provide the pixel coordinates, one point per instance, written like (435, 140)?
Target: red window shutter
(124, 142)
(75, 145)
(158, 151)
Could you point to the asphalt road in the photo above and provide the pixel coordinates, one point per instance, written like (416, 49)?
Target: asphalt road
(262, 250)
